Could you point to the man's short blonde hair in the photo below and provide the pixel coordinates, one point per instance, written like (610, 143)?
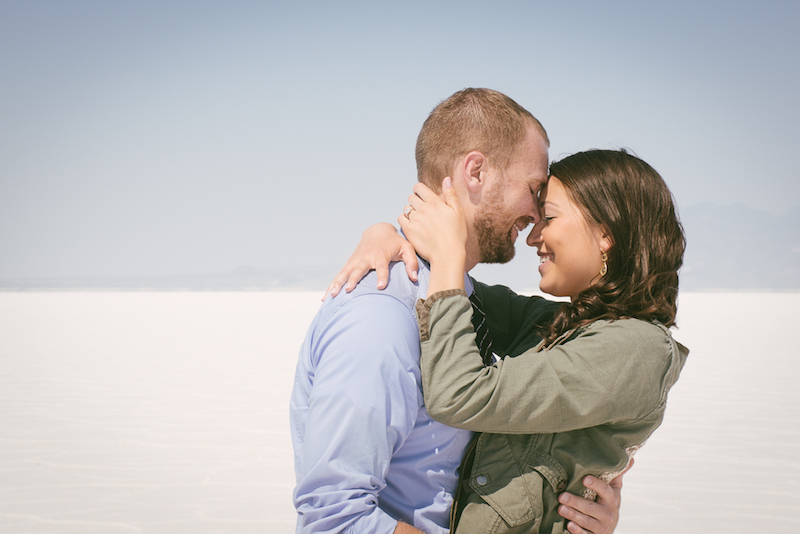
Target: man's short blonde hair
(472, 119)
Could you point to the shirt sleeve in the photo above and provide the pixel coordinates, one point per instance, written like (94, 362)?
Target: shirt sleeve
(363, 405)
(612, 373)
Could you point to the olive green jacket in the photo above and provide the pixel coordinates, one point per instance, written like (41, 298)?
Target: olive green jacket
(549, 416)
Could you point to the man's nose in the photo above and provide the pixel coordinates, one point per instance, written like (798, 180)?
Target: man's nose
(534, 213)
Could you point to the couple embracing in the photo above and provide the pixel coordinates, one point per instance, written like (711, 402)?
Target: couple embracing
(425, 401)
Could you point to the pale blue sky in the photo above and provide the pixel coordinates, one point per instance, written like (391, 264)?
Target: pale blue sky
(147, 138)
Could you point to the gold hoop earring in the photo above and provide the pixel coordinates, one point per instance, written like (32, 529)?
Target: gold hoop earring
(604, 268)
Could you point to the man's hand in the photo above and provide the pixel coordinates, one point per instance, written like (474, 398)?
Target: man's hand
(405, 528)
(598, 517)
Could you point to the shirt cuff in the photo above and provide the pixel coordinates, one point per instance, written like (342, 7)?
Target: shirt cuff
(376, 522)
(424, 306)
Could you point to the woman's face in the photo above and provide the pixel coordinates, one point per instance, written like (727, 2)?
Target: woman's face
(570, 247)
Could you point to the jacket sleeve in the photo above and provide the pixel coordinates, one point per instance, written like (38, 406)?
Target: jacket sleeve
(613, 372)
(363, 405)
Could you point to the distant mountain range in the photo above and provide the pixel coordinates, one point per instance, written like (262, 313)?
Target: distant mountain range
(243, 278)
(729, 248)
(735, 247)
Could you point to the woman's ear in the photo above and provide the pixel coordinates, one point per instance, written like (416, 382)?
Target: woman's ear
(604, 238)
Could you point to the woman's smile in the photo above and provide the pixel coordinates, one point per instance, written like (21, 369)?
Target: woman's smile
(544, 259)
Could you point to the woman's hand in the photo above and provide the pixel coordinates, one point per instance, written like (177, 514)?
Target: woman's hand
(380, 245)
(594, 517)
(438, 231)
(436, 228)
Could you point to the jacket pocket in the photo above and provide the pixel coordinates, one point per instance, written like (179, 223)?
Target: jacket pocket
(511, 478)
(549, 469)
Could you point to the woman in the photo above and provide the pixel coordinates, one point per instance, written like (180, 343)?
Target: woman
(589, 395)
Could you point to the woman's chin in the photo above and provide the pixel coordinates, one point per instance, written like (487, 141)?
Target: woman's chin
(544, 287)
(551, 290)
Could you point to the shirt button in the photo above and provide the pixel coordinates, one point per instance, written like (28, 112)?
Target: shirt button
(481, 480)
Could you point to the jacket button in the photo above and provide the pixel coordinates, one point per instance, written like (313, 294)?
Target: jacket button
(481, 480)
(561, 486)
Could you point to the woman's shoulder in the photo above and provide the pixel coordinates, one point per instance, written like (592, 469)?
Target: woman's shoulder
(646, 337)
(644, 334)
(649, 343)
(630, 326)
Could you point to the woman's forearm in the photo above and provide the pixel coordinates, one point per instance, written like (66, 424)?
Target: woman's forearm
(447, 270)
(570, 386)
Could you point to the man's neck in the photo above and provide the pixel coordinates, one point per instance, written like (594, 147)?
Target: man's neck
(472, 259)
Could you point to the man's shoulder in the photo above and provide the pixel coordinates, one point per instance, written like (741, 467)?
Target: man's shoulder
(367, 305)
(400, 288)
(368, 320)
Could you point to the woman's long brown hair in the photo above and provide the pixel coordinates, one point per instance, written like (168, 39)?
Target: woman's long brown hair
(629, 199)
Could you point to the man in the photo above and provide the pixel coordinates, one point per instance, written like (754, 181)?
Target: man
(368, 458)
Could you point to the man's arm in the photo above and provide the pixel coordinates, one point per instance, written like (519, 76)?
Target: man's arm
(513, 319)
(362, 405)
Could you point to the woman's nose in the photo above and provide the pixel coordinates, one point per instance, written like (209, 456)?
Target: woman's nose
(535, 237)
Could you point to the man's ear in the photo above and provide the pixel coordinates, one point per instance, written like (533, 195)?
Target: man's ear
(474, 167)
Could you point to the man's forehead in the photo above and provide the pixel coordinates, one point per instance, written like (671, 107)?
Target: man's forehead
(530, 164)
(540, 181)
(539, 158)
(537, 180)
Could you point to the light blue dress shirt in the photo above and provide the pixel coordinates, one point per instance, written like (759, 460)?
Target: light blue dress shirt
(366, 452)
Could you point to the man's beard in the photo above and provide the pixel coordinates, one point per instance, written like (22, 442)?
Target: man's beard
(495, 243)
